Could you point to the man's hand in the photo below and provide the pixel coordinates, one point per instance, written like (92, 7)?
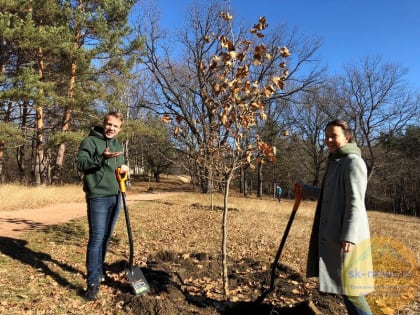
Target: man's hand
(109, 155)
(124, 169)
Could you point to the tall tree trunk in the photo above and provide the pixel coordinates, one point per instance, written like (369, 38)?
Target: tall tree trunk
(21, 150)
(1, 161)
(39, 167)
(59, 161)
(242, 181)
(205, 179)
(2, 142)
(260, 180)
(56, 178)
(2, 145)
(39, 147)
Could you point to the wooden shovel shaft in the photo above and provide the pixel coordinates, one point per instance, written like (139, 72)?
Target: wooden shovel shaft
(121, 181)
(129, 232)
(298, 198)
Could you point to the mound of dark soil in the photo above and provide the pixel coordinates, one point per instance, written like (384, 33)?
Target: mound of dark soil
(186, 284)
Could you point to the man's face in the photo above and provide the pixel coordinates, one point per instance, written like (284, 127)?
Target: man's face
(112, 127)
(335, 138)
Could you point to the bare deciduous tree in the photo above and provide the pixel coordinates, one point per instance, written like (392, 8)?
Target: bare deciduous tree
(216, 96)
(376, 100)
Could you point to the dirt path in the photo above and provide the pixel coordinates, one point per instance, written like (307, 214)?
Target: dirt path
(12, 223)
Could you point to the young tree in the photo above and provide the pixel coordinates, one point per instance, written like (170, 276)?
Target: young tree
(231, 104)
(175, 65)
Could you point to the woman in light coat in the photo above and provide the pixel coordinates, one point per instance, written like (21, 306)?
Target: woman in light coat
(339, 251)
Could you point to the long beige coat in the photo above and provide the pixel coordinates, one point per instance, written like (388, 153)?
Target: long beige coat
(341, 216)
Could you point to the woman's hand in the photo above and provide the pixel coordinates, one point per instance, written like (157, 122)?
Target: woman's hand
(347, 246)
(298, 190)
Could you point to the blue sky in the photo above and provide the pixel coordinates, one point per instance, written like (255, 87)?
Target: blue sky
(349, 29)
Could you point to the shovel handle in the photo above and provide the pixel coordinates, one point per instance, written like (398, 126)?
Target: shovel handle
(298, 192)
(121, 177)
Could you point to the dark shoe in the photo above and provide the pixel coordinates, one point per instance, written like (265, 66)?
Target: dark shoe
(92, 292)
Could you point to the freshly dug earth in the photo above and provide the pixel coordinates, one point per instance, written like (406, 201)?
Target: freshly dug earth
(190, 290)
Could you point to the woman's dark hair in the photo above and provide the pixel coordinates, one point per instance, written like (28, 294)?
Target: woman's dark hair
(344, 125)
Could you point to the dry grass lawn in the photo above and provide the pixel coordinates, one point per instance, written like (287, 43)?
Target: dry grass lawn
(183, 224)
(15, 197)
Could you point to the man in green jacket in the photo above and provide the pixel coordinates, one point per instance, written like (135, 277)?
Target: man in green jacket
(100, 154)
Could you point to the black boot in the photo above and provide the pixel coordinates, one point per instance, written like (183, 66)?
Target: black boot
(92, 292)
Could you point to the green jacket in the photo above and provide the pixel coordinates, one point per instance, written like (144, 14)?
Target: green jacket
(99, 172)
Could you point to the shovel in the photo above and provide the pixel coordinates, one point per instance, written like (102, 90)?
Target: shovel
(134, 274)
(298, 197)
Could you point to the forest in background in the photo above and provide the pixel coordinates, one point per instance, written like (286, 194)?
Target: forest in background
(65, 63)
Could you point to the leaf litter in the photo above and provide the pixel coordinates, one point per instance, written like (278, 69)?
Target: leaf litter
(177, 244)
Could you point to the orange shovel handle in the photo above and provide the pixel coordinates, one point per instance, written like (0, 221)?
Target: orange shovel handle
(121, 179)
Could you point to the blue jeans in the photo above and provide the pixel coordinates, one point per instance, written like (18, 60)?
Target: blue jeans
(357, 305)
(102, 213)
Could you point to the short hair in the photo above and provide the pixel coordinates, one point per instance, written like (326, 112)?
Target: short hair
(115, 114)
(344, 125)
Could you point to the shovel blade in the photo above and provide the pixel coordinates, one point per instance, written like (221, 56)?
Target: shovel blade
(138, 281)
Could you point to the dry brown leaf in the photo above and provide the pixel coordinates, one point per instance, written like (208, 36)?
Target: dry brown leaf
(284, 52)
(263, 115)
(166, 118)
(179, 119)
(226, 16)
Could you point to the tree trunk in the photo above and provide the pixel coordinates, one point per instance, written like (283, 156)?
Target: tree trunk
(39, 147)
(224, 237)
(2, 143)
(205, 179)
(1, 160)
(21, 150)
(56, 178)
(39, 166)
(260, 180)
(242, 182)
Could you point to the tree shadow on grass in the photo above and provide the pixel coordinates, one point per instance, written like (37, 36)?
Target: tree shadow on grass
(17, 249)
(24, 225)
